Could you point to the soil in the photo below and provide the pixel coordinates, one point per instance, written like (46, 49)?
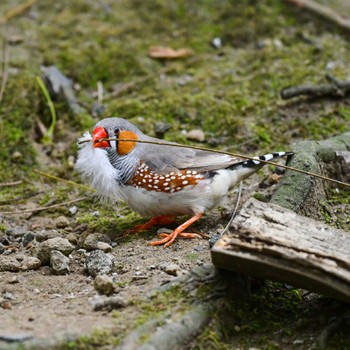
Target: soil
(229, 92)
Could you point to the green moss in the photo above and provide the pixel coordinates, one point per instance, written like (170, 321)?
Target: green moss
(98, 339)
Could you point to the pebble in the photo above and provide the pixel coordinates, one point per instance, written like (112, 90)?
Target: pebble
(9, 264)
(105, 247)
(13, 280)
(59, 263)
(42, 251)
(30, 263)
(99, 262)
(160, 128)
(104, 284)
(16, 231)
(61, 222)
(72, 238)
(109, 303)
(196, 135)
(15, 337)
(92, 240)
(170, 269)
(27, 238)
(213, 240)
(73, 210)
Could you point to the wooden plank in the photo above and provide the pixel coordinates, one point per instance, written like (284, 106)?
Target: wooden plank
(268, 241)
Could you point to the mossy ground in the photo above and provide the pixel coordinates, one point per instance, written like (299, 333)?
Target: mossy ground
(231, 92)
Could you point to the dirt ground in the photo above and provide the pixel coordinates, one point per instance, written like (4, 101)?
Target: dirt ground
(228, 89)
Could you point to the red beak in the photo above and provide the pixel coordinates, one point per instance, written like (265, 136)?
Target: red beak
(98, 135)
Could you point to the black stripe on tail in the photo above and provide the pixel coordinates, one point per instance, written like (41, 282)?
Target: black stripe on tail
(255, 163)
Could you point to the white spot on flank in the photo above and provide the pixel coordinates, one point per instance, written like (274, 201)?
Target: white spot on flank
(178, 188)
(173, 177)
(161, 178)
(166, 188)
(165, 183)
(185, 182)
(172, 190)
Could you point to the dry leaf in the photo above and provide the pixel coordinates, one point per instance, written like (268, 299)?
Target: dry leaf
(168, 53)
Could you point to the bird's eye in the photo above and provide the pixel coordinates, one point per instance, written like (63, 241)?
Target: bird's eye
(116, 131)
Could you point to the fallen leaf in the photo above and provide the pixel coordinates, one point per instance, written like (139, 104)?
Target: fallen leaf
(168, 53)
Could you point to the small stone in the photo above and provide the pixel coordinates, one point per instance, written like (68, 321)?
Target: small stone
(237, 328)
(59, 263)
(196, 135)
(30, 263)
(16, 231)
(105, 247)
(170, 269)
(213, 240)
(298, 342)
(99, 262)
(109, 303)
(13, 280)
(27, 238)
(16, 155)
(160, 128)
(72, 238)
(73, 210)
(9, 296)
(61, 222)
(92, 240)
(9, 264)
(104, 284)
(216, 43)
(45, 235)
(15, 337)
(42, 251)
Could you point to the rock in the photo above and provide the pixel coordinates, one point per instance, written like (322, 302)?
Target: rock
(216, 43)
(170, 269)
(109, 303)
(27, 238)
(16, 231)
(72, 238)
(9, 264)
(45, 235)
(99, 263)
(59, 263)
(61, 222)
(30, 263)
(42, 251)
(104, 284)
(160, 128)
(196, 135)
(213, 239)
(15, 337)
(13, 280)
(92, 240)
(105, 247)
(2, 248)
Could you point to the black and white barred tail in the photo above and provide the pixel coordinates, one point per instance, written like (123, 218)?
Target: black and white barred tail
(259, 161)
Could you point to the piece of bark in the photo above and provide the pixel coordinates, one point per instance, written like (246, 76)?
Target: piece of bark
(268, 241)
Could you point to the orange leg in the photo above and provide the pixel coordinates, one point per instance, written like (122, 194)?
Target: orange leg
(169, 239)
(157, 220)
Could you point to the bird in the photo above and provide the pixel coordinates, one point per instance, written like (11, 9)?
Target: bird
(159, 180)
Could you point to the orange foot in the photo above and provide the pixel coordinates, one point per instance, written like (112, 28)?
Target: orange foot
(170, 238)
(157, 220)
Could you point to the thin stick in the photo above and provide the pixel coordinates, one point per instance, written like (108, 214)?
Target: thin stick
(235, 209)
(229, 154)
(5, 71)
(17, 11)
(11, 183)
(53, 177)
(45, 208)
(323, 11)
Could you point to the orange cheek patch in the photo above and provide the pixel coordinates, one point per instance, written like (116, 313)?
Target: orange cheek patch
(125, 147)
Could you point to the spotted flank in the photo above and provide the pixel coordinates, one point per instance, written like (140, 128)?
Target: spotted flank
(170, 182)
(251, 163)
